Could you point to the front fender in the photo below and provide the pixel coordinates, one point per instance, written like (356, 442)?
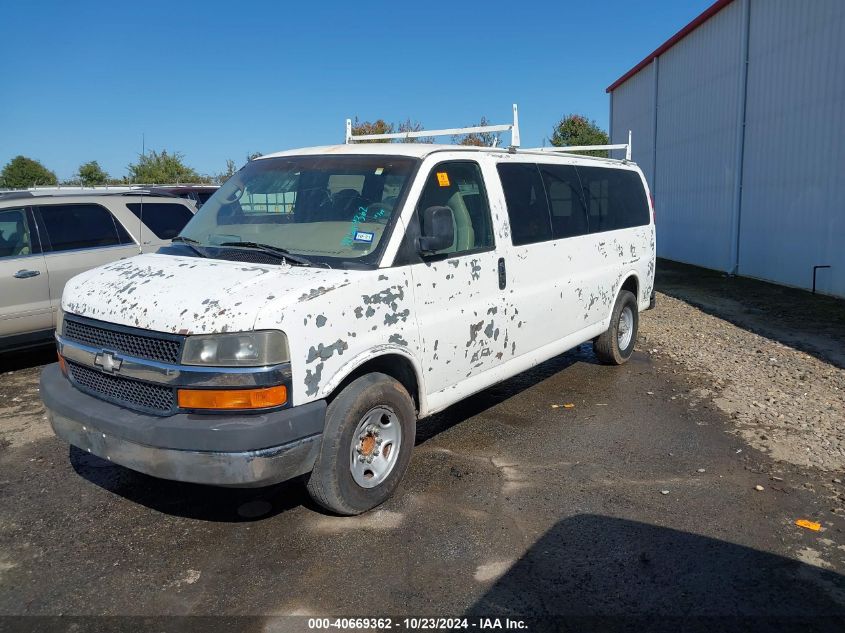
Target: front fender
(350, 366)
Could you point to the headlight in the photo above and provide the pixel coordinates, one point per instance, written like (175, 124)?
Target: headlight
(60, 321)
(244, 349)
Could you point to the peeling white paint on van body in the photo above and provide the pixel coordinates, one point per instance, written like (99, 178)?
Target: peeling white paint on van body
(333, 319)
(449, 318)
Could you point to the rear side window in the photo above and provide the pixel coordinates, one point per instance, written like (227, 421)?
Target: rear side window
(528, 209)
(563, 189)
(343, 182)
(615, 198)
(76, 226)
(165, 219)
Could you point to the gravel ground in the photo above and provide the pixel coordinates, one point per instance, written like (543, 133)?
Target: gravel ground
(782, 401)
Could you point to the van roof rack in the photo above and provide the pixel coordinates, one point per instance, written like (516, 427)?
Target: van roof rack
(512, 127)
(566, 149)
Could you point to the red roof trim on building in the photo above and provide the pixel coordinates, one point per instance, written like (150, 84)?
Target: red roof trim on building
(708, 13)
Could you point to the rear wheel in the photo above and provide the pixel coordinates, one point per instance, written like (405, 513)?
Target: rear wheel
(366, 445)
(616, 345)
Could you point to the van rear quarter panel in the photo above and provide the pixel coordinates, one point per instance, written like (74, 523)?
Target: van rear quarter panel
(585, 272)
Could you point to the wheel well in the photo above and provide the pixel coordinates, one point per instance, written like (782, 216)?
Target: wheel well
(394, 365)
(632, 286)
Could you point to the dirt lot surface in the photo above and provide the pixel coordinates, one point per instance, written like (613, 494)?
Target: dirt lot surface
(780, 378)
(655, 497)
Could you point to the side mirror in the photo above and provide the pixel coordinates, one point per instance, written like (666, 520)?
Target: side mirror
(438, 230)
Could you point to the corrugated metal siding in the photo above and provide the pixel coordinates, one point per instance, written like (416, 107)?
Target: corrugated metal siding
(633, 109)
(792, 213)
(793, 208)
(697, 127)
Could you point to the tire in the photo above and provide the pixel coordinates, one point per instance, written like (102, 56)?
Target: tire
(615, 346)
(367, 419)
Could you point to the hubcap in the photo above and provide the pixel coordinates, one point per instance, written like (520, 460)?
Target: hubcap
(375, 447)
(625, 328)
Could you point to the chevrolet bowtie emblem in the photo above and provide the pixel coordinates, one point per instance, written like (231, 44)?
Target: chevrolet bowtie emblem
(108, 362)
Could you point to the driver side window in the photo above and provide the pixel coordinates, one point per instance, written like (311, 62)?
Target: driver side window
(459, 185)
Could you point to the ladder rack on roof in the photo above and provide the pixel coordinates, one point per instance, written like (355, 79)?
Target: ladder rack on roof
(587, 148)
(512, 127)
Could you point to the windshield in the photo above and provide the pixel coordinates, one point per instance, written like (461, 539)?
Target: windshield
(328, 209)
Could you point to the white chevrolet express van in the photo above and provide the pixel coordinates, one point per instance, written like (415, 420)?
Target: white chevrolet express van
(325, 299)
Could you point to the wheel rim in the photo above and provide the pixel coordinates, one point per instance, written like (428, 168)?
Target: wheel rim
(375, 447)
(625, 328)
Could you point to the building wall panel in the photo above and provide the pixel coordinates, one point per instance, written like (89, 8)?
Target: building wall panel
(633, 109)
(697, 126)
(793, 209)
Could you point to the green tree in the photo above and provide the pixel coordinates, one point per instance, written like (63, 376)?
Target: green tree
(379, 126)
(162, 168)
(414, 126)
(253, 156)
(91, 174)
(230, 170)
(22, 172)
(478, 139)
(574, 129)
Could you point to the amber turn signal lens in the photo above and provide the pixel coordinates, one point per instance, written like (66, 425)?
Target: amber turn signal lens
(233, 398)
(62, 364)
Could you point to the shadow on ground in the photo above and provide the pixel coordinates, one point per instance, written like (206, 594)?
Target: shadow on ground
(234, 505)
(492, 396)
(28, 358)
(797, 318)
(194, 501)
(603, 573)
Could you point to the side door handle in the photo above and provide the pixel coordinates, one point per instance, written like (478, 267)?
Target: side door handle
(503, 281)
(25, 274)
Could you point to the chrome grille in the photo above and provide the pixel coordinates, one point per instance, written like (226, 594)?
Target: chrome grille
(124, 391)
(140, 346)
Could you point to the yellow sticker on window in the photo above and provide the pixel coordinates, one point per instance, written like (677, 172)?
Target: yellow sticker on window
(443, 178)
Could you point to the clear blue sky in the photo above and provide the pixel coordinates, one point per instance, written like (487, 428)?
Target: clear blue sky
(217, 80)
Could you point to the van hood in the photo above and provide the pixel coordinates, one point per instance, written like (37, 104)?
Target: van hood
(188, 295)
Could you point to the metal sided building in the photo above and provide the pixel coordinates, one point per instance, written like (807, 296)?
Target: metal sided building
(738, 122)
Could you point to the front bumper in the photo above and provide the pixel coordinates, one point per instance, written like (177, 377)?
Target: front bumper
(239, 450)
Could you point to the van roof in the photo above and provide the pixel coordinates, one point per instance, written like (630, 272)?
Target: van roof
(417, 150)
(421, 150)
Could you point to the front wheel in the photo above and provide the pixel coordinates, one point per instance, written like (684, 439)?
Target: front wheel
(616, 345)
(366, 445)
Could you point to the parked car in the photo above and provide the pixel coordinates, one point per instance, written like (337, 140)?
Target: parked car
(326, 299)
(198, 193)
(47, 239)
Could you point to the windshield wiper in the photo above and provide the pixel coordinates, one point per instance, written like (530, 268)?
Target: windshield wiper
(278, 251)
(190, 243)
